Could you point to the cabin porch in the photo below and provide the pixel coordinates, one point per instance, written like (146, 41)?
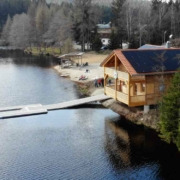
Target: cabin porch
(124, 88)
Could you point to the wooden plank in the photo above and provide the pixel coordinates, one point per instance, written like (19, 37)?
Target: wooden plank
(28, 110)
(22, 112)
(116, 78)
(15, 108)
(73, 103)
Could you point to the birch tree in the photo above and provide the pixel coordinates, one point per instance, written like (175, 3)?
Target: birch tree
(20, 31)
(60, 28)
(32, 17)
(6, 30)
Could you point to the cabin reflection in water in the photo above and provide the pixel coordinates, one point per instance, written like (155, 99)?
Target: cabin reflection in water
(127, 145)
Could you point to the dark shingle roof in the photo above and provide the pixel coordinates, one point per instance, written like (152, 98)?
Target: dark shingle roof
(145, 61)
(149, 46)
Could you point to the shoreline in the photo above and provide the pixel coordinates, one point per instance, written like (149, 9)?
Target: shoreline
(87, 88)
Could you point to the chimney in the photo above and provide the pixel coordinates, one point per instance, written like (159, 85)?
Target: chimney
(168, 44)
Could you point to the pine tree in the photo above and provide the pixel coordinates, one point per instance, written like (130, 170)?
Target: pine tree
(114, 41)
(96, 44)
(170, 113)
(84, 20)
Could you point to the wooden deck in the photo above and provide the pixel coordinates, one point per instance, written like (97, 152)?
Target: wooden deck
(18, 111)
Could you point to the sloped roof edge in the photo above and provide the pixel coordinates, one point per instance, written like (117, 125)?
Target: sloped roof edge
(122, 58)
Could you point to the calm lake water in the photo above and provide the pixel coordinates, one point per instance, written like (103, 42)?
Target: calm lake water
(82, 143)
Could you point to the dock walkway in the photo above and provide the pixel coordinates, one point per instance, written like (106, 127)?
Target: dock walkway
(18, 111)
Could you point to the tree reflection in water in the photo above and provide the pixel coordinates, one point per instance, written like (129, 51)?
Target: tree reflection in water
(139, 150)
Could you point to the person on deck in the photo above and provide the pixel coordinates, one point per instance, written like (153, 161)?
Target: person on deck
(109, 82)
(95, 83)
(99, 82)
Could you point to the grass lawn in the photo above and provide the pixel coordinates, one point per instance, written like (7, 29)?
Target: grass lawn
(49, 50)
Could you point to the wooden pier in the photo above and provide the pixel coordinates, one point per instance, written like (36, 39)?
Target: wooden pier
(18, 111)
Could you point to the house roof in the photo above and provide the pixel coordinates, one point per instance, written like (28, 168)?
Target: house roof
(147, 61)
(149, 46)
(72, 54)
(103, 26)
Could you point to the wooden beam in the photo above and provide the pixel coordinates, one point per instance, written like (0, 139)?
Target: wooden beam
(129, 81)
(116, 78)
(145, 90)
(107, 60)
(137, 104)
(139, 81)
(105, 77)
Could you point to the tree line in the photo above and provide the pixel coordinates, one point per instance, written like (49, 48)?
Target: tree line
(36, 22)
(42, 24)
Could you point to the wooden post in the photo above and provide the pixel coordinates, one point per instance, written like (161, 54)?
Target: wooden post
(116, 78)
(105, 77)
(129, 81)
(145, 90)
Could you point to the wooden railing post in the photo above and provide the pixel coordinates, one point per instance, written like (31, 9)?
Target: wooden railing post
(129, 82)
(116, 78)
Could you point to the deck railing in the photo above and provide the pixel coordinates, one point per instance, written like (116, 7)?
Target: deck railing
(121, 75)
(119, 95)
(122, 97)
(110, 92)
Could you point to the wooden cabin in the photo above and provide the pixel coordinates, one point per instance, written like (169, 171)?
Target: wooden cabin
(139, 77)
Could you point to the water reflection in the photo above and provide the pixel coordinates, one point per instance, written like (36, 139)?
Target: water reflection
(27, 79)
(20, 58)
(138, 152)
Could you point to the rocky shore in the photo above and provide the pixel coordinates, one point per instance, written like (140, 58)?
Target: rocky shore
(134, 115)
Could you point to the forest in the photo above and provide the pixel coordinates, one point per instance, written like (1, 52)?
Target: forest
(40, 23)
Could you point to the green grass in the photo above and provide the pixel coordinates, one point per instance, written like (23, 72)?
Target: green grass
(49, 50)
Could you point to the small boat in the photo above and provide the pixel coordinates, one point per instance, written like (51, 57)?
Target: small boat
(64, 75)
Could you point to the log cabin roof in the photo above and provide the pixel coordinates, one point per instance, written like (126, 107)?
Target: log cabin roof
(147, 61)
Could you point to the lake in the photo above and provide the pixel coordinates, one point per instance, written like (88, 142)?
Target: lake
(87, 142)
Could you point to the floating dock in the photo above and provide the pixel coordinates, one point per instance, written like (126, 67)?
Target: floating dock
(35, 109)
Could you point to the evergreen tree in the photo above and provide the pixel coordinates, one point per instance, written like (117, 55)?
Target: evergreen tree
(119, 19)
(114, 41)
(84, 19)
(96, 44)
(170, 113)
(12, 7)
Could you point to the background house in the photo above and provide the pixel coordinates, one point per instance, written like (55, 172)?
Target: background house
(104, 31)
